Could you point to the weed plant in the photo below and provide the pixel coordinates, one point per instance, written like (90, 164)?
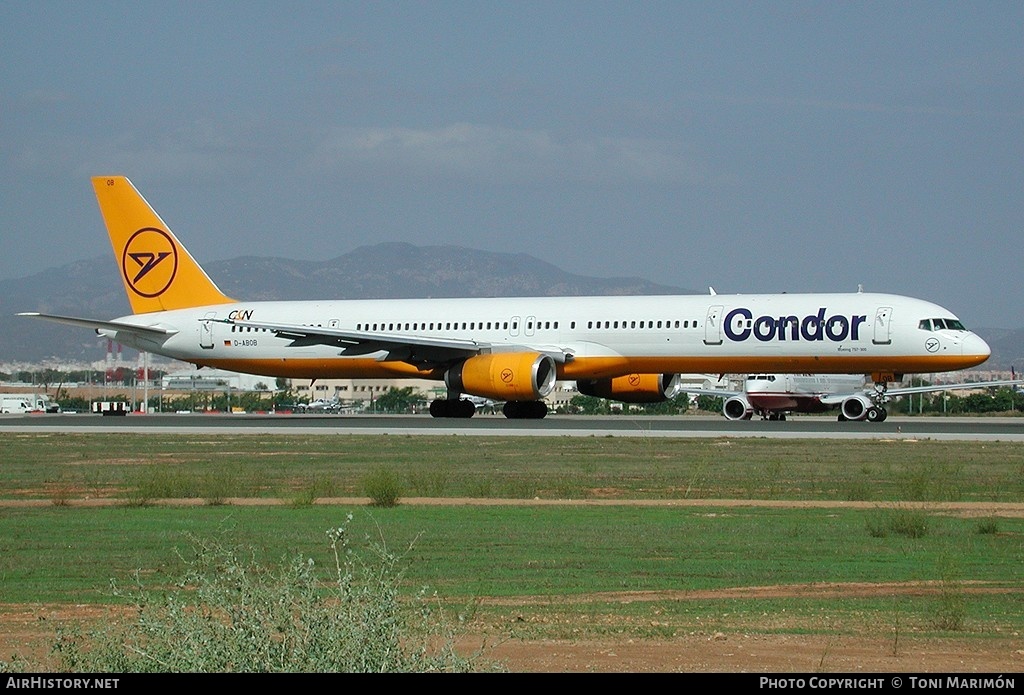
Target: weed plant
(951, 609)
(383, 487)
(901, 521)
(231, 614)
(988, 526)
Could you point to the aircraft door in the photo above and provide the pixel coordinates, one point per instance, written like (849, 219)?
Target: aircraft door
(513, 326)
(713, 326)
(206, 331)
(883, 326)
(528, 328)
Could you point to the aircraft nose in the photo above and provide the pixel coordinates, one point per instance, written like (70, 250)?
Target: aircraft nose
(974, 346)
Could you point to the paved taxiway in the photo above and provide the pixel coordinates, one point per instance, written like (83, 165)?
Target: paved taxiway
(896, 427)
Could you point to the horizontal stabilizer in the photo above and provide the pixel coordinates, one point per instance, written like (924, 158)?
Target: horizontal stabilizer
(103, 325)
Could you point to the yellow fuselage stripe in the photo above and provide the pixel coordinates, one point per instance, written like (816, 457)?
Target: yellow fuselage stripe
(601, 367)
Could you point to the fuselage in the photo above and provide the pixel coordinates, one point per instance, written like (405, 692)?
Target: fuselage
(798, 392)
(600, 337)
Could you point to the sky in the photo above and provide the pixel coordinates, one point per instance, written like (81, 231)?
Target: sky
(746, 146)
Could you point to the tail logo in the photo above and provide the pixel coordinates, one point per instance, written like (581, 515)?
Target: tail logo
(149, 262)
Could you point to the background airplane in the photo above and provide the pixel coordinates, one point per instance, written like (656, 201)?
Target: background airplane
(772, 396)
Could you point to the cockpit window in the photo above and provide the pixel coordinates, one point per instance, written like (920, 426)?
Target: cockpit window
(940, 324)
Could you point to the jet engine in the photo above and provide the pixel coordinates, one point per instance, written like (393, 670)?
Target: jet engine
(861, 408)
(633, 388)
(855, 407)
(507, 376)
(737, 408)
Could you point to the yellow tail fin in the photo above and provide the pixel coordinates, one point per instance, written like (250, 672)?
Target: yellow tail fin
(158, 272)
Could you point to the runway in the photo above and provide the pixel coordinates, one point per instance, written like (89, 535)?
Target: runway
(895, 427)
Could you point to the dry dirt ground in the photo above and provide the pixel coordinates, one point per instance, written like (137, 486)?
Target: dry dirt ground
(29, 630)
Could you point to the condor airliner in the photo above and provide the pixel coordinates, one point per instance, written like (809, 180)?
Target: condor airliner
(512, 349)
(772, 396)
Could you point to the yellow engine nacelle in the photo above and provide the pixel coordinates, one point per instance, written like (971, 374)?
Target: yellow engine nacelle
(633, 388)
(506, 376)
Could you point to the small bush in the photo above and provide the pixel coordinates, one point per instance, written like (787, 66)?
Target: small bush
(231, 614)
(877, 525)
(902, 522)
(988, 527)
(910, 523)
(951, 608)
(217, 488)
(317, 489)
(61, 496)
(153, 484)
(304, 497)
(383, 488)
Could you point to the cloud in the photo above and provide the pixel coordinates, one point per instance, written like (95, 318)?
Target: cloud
(499, 155)
(198, 149)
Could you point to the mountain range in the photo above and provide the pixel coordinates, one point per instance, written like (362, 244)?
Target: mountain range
(92, 288)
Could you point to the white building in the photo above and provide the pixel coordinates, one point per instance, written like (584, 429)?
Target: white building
(349, 391)
(215, 380)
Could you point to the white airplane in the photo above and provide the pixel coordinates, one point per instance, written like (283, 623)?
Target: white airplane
(626, 348)
(484, 405)
(772, 396)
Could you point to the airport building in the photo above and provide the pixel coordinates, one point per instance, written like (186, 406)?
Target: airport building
(206, 379)
(366, 391)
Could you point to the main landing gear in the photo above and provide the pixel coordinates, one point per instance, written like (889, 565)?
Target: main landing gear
(876, 414)
(525, 410)
(464, 408)
(877, 411)
(452, 408)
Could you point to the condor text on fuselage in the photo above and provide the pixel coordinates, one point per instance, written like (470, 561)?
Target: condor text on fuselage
(510, 349)
(740, 325)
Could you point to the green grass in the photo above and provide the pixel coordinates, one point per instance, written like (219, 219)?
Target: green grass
(545, 557)
(553, 571)
(144, 467)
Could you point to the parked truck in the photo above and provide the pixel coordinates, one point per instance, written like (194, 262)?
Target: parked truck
(37, 402)
(14, 405)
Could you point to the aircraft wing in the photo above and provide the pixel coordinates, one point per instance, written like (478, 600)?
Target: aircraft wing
(148, 331)
(836, 399)
(417, 349)
(720, 393)
(952, 387)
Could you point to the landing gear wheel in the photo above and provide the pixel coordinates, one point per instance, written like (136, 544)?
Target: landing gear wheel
(876, 414)
(525, 410)
(452, 408)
